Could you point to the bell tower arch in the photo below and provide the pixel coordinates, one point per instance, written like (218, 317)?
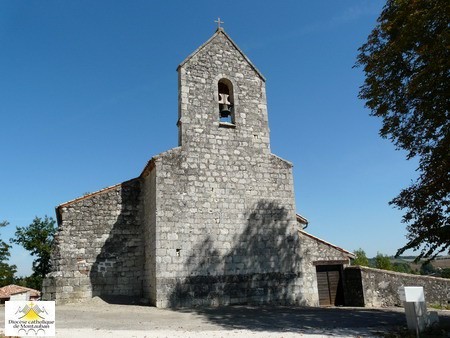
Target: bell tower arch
(226, 101)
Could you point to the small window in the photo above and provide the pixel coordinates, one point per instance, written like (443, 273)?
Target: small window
(226, 102)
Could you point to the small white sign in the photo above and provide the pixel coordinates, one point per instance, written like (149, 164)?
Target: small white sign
(29, 318)
(411, 293)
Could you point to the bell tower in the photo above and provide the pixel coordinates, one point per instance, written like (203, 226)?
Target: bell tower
(220, 208)
(222, 96)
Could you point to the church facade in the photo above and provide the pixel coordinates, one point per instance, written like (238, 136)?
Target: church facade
(210, 222)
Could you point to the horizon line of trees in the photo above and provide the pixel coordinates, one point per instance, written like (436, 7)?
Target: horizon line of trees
(385, 262)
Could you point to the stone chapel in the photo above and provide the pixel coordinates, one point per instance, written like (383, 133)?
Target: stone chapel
(210, 222)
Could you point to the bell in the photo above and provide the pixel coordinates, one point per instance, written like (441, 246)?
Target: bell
(224, 106)
(224, 110)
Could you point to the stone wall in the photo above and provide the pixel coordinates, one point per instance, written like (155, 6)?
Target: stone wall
(378, 288)
(221, 240)
(99, 247)
(149, 224)
(353, 287)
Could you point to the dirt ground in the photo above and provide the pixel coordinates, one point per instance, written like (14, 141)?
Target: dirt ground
(99, 319)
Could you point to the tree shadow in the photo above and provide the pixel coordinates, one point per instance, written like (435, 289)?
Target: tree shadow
(116, 276)
(260, 267)
(342, 321)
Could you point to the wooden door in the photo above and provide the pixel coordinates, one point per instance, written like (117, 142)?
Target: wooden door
(329, 284)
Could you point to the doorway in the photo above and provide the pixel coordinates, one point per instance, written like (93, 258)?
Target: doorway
(330, 285)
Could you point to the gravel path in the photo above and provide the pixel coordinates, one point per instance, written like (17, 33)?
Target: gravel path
(99, 319)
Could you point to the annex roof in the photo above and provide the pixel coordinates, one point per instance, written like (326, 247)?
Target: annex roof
(221, 31)
(12, 289)
(348, 253)
(301, 219)
(89, 195)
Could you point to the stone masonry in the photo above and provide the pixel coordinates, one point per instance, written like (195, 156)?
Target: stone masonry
(99, 246)
(210, 222)
(371, 287)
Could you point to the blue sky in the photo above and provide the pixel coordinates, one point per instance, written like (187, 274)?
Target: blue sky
(88, 94)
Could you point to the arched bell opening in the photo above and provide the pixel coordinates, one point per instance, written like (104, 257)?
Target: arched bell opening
(226, 101)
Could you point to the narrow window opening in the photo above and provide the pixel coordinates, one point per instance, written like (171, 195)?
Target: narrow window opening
(226, 102)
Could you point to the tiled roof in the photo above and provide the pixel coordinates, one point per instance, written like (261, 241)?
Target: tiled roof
(7, 291)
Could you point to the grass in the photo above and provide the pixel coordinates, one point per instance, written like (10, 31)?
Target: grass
(439, 306)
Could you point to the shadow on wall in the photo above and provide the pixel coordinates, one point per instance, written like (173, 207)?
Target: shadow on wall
(262, 265)
(116, 275)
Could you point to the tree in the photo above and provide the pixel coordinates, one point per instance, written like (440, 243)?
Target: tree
(402, 267)
(445, 273)
(406, 62)
(33, 282)
(383, 262)
(6, 271)
(361, 258)
(37, 238)
(427, 269)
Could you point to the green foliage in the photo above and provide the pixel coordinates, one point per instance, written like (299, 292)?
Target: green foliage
(440, 306)
(361, 258)
(402, 267)
(33, 281)
(383, 262)
(406, 61)
(6, 271)
(4, 248)
(21, 281)
(37, 238)
(427, 269)
(445, 273)
(7, 274)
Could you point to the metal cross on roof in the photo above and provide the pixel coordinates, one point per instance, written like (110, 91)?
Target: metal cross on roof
(218, 22)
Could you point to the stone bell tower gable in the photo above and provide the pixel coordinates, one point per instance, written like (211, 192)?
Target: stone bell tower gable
(217, 64)
(224, 229)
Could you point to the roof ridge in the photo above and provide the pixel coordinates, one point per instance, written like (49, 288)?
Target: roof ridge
(95, 193)
(327, 243)
(217, 32)
(12, 289)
